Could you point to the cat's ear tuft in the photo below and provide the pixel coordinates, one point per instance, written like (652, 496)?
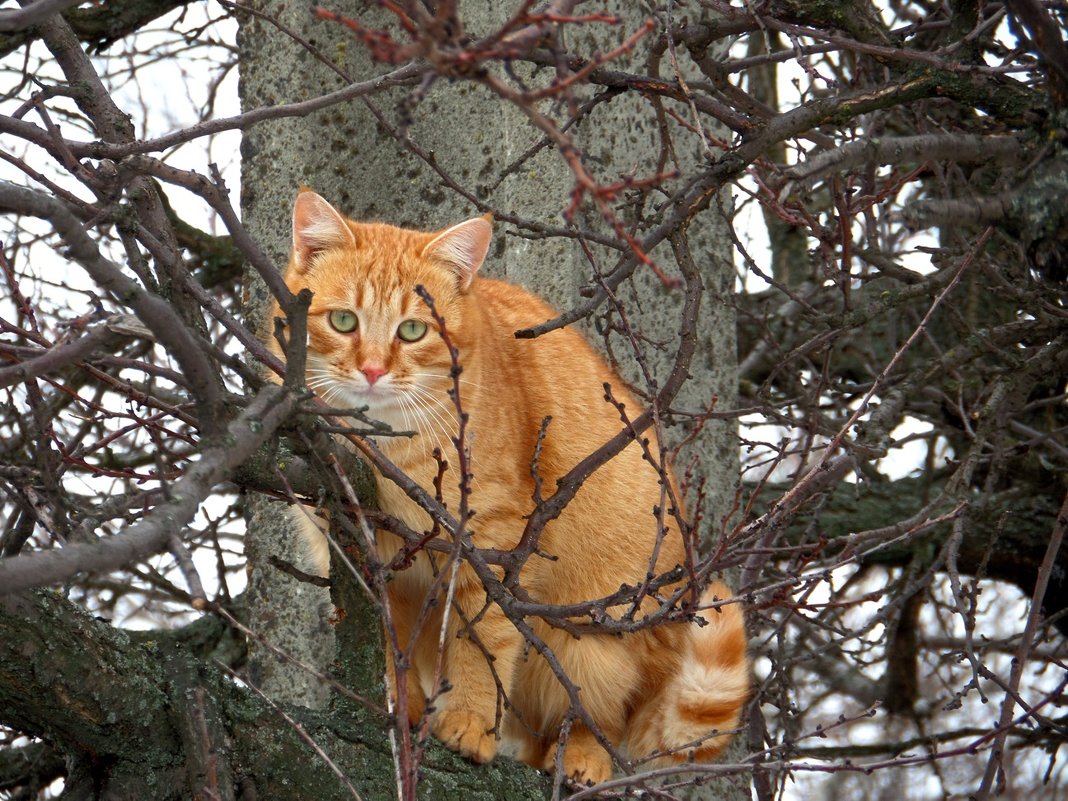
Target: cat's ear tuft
(317, 226)
(463, 247)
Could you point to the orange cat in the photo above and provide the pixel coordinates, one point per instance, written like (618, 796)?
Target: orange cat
(373, 342)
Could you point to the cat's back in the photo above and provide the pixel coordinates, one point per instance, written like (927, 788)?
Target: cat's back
(508, 308)
(510, 303)
(557, 374)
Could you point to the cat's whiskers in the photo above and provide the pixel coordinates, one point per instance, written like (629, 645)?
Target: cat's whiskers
(404, 404)
(423, 404)
(423, 431)
(332, 392)
(321, 381)
(435, 406)
(446, 402)
(432, 426)
(329, 389)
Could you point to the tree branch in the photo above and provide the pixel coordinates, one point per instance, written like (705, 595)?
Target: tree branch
(268, 410)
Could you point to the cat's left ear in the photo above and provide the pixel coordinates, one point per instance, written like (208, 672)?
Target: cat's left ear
(463, 247)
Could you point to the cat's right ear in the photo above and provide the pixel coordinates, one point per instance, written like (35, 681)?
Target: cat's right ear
(317, 226)
(463, 248)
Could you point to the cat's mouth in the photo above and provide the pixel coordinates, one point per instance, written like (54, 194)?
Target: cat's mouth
(380, 393)
(344, 392)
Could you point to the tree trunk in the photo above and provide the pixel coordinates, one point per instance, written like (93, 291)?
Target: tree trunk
(349, 155)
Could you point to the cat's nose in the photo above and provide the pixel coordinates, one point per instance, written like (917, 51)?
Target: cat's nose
(372, 372)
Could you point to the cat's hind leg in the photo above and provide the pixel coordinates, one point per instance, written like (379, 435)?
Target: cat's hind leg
(602, 671)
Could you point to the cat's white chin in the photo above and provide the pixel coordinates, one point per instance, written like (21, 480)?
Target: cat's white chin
(360, 393)
(392, 416)
(379, 402)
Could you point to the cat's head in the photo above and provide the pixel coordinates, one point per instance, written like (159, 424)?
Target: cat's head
(372, 341)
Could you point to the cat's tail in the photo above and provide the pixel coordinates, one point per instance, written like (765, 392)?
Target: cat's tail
(696, 709)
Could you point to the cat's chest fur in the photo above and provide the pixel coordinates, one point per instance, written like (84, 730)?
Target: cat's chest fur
(496, 488)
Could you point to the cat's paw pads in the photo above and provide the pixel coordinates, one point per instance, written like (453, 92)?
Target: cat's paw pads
(587, 765)
(467, 733)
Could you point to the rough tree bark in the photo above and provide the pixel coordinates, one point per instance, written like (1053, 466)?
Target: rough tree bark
(152, 719)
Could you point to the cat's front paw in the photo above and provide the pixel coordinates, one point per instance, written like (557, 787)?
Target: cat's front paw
(587, 765)
(466, 732)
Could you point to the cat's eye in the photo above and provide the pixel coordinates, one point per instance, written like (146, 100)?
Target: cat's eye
(343, 320)
(411, 330)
